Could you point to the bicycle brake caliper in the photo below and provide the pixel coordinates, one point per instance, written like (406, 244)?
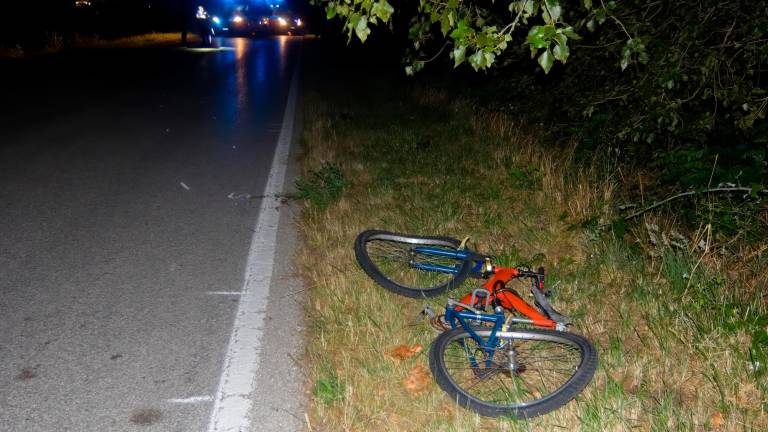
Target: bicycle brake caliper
(463, 244)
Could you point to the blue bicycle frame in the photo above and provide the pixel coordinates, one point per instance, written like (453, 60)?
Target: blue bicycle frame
(458, 255)
(464, 317)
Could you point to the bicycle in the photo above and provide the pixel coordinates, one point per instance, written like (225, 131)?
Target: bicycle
(540, 370)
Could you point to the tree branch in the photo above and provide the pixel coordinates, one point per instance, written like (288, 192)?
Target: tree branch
(684, 194)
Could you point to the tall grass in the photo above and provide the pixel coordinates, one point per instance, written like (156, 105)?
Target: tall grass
(679, 336)
(56, 42)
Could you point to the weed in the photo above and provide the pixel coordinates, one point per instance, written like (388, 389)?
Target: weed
(323, 187)
(329, 389)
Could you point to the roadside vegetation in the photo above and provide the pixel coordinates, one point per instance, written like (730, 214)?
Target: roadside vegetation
(675, 304)
(56, 42)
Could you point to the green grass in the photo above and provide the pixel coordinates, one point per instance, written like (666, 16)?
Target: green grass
(678, 338)
(329, 389)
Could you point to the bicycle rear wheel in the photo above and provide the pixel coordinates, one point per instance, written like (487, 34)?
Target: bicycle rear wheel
(550, 369)
(398, 262)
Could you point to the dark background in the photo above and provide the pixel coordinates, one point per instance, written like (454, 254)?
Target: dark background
(37, 24)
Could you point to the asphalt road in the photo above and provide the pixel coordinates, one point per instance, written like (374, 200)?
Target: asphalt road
(124, 233)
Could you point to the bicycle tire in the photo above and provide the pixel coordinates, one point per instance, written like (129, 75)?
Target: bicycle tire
(388, 257)
(464, 384)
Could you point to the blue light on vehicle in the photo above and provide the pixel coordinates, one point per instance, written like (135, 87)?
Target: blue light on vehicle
(216, 19)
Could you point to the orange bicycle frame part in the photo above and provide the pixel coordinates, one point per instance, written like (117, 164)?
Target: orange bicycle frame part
(510, 300)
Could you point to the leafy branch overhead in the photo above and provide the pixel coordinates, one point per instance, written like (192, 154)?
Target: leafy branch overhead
(480, 32)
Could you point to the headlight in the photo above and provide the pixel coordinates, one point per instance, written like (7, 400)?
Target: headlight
(237, 19)
(282, 21)
(298, 22)
(216, 20)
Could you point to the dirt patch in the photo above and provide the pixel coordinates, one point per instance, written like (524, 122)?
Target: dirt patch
(146, 416)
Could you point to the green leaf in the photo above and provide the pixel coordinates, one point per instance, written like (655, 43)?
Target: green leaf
(524, 6)
(445, 24)
(462, 30)
(478, 60)
(536, 37)
(383, 10)
(482, 40)
(624, 62)
(361, 29)
(555, 10)
(600, 15)
(531, 7)
(561, 52)
(458, 55)
(330, 11)
(571, 33)
(587, 4)
(626, 54)
(591, 25)
(546, 60)
(489, 59)
(545, 16)
(549, 31)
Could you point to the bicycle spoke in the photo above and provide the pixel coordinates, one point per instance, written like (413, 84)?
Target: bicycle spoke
(542, 367)
(399, 263)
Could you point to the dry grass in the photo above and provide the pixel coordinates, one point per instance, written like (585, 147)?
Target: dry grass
(55, 43)
(426, 164)
(130, 41)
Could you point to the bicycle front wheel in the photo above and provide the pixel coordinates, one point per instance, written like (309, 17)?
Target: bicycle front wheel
(409, 265)
(529, 372)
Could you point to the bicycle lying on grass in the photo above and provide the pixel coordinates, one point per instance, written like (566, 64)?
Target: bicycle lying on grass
(481, 361)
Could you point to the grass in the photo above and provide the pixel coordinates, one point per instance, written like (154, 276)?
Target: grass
(55, 43)
(682, 340)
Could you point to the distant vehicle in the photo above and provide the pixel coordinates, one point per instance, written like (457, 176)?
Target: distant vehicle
(251, 20)
(285, 22)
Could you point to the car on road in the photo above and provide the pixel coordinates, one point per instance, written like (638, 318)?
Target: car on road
(255, 20)
(284, 23)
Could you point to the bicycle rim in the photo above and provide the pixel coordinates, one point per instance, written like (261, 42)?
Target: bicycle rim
(395, 262)
(552, 368)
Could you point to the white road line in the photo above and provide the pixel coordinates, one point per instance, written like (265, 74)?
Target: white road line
(191, 400)
(234, 397)
(232, 293)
